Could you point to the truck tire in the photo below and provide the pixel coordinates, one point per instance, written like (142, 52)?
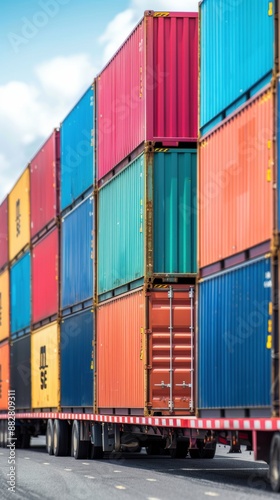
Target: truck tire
(206, 453)
(60, 438)
(274, 463)
(80, 449)
(181, 450)
(49, 437)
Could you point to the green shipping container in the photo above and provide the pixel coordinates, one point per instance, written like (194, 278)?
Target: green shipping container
(147, 221)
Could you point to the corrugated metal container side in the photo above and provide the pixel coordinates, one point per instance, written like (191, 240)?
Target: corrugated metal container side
(77, 249)
(234, 58)
(121, 228)
(20, 289)
(77, 360)
(278, 155)
(235, 177)
(170, 177)
(148, 90)
(21, 371)
(45, 386)
(4, 305)
(120, 369)
(44, 184)
(4, 375)
(175, 212)
(77, 159)
(19, 215)
(45, 277)
(234, 363)
(124, 351)
(4, 255)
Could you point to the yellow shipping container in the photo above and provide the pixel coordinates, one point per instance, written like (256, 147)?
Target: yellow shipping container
(4, 306)
(19, 215)
(4, 375)
(45, 386)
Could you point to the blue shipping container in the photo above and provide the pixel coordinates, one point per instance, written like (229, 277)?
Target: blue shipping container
(20, 286)
(77, 254)
(77, 369)
(234, 368)
(236, 54)
(77, 155)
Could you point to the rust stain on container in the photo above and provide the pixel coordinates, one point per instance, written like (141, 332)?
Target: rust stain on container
(235, 182)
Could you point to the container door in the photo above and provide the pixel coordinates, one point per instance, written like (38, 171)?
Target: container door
(171, 349)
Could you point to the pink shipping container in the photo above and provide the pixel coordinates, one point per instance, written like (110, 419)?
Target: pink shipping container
(148, 90)
(44, 188)
(4, 256)
(45, 277)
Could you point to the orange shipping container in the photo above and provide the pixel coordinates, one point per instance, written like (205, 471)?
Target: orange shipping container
(4, 375)
(235, 182)
(19, 216)
(135, 354)
(4, 306)
(45, 385)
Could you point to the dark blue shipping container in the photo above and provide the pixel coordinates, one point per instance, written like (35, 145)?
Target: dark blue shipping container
(20, 289)
(21, 371)
(234, 363)
(77, 254)
(236, 55)
(278, 146)
(77, 158)
(77, 369)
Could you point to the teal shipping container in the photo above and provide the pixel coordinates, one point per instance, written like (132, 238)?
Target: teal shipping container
(236, 55)
(20, 289)
(147, 220)
(76, 143)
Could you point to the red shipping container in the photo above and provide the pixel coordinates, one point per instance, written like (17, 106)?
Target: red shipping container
(44, 187)
(235, 182)
(134, 365)
(149, 89)
(4, 256)
(45, 274)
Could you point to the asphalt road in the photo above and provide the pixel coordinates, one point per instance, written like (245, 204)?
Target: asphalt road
(133, 476)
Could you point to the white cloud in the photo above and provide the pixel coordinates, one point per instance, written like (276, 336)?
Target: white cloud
(166, 5)
(116, 32)
(29, 112)
(124, 22)
(60, 81)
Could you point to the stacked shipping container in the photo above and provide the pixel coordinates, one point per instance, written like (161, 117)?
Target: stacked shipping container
(235, 210)
(146, 170)
(77, 255)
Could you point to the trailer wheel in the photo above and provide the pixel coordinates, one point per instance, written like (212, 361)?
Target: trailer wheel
(49, 437)
(153, 449)
(60, 438)
(206, 453)
(80, 449)
(274, 463)
(96, 452)
(181, 450)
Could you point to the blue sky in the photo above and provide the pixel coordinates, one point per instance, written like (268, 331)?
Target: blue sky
(50, 51)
